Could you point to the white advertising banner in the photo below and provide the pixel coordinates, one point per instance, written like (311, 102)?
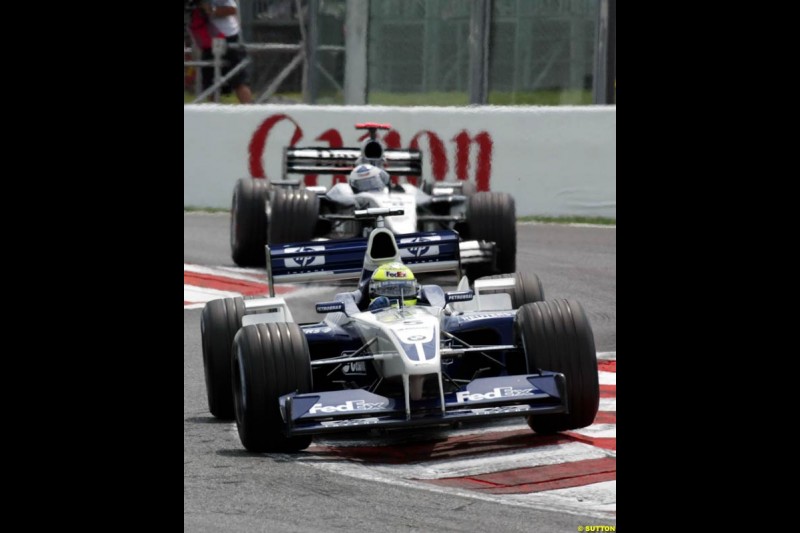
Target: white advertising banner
(554, 160)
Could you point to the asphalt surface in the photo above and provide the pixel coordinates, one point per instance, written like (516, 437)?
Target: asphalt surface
(229, 489)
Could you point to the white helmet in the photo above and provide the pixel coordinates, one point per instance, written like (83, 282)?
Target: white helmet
(368, 178)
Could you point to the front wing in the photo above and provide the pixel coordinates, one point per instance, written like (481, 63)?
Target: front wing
(481, 399)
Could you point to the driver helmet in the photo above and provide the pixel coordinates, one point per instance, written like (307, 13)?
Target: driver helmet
(394, 280)
(368, 178)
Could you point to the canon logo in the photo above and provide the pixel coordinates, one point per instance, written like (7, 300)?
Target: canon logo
(437, 154)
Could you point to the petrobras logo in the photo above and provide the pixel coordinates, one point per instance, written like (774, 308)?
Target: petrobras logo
(348, 406)
(305, 261)
(396, 274)
(496, 394)
(420, 247)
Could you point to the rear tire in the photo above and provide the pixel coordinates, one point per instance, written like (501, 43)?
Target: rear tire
(269, 360)
(492, 216)
(557, 336)
(249, 222)
(528, 288)
(293, 216)
(218, 325)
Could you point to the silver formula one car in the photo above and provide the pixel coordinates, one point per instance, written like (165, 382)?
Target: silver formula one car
(281, 211)
(490, 350)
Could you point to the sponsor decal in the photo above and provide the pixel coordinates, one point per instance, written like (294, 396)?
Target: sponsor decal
(464, 296)
(331, 307)
(305, 261)
(421, 247)
(356, 368)
(466, 147)
(480, 316)
(497, 393)
(502, 409)
(353, 422)
(348, 406)
(416, 337)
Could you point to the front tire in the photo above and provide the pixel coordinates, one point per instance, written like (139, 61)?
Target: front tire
(556, 336)
(218, 325)
(269, 360)
(249, 222)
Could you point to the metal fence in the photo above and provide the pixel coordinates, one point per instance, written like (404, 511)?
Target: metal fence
(439, 52)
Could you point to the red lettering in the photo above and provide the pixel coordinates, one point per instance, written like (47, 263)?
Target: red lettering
(259, 141)
(392, 140)
(438, 155)
(484, 160)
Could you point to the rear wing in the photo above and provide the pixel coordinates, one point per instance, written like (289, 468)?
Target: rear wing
(317, 160)
(430, 251)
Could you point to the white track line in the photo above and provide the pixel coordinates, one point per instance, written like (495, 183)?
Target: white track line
(608, 378)
(608, 404)
(593, 498)
(491, 462)
(228, 272)
(599, 431)
(597, 509)
(195, 294)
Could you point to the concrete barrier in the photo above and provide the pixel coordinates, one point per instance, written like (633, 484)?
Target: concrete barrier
(553, 160)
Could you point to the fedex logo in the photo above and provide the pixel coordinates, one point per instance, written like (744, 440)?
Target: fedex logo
(358, 405)
(395, 274)
(498, 392)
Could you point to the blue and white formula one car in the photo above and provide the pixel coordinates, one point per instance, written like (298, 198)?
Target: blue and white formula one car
(491, 350)
(282, 211)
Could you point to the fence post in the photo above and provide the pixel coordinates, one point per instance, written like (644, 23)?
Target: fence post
(479, 28)
(218, 47)
(355, 55)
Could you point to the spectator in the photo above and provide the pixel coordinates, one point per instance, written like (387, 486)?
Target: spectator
(223, 17)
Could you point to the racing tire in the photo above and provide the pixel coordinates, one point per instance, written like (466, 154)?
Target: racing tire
(293, 216)
(269, 360)
(528, 288)
(556, 335)
(492, 216)
(218, 325)
(248, 232)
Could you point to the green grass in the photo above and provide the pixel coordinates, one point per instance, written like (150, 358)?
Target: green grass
(603, 221)
(441, 99)
(196, 209)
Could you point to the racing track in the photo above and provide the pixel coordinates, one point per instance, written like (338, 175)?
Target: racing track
(497, 477)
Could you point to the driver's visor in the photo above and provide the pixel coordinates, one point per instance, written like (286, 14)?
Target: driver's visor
(394, 288)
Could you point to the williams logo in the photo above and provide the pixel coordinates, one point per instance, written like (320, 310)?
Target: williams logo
(306, 260)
